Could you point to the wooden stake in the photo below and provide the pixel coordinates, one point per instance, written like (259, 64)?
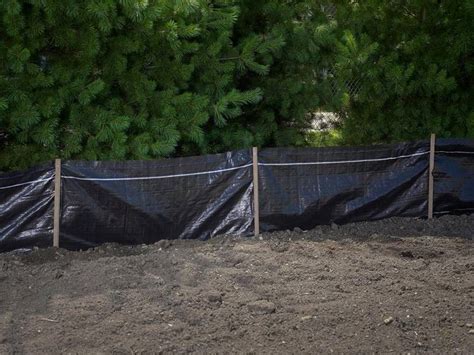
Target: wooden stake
(430, 176)
(57, 202)
(256, 206)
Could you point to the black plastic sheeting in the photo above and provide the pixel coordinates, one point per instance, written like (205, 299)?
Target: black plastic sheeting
(454, 176)
(136, 202)
(26, 208)
(306, 187)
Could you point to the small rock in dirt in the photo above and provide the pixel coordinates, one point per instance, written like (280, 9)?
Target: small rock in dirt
(261, 307)
(306, 318)
(388, 320)
(163, 244)
(407, 254)
(334, 226)
(280, 247)
(214, 297)
(471, 331)
(298, 230)
(469, 325)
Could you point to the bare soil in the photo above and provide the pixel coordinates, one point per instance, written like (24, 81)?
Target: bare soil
(393, 286)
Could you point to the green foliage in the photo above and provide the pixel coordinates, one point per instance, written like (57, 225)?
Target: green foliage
(415, 62)
(328, 138)
(135, 79)
(142, 79)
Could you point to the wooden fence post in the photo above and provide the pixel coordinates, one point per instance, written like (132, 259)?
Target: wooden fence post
(430, 176)
(57, 202)
(256, 206)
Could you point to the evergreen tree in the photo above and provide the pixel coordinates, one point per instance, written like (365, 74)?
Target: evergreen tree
(294, 44)
(138, 79)
(414, 59)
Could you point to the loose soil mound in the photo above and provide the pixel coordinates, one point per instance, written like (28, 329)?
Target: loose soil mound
(398, 285)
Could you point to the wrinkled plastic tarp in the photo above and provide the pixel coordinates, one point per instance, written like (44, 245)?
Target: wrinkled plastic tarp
(26, 208)
(305, 187)
(454, 176)
(134, 202)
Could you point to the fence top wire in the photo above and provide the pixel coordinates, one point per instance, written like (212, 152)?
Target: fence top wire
(356, 161)
(157, 177)
(346, 161)
(26, 183)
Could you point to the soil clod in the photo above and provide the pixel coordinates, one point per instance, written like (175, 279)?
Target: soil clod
(261, 307)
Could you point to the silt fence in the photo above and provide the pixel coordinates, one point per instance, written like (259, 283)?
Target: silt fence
(82, 204)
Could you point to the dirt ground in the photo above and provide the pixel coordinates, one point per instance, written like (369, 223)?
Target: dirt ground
(393, 286)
